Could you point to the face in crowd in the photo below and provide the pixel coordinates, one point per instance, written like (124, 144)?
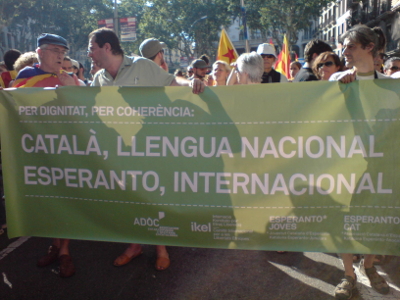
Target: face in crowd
(200, 73)
(327, 67)
(269, 61)
(219, 72)
(51, 57)
(393, 67)
(96, 53)
(67, 66)
(294, 69)
(354, 53)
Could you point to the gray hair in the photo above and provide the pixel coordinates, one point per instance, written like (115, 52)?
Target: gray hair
(389, 62)
(252, 64)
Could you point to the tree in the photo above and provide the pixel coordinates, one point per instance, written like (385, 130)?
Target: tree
(172, 21)
(284, 16)
(73, 19)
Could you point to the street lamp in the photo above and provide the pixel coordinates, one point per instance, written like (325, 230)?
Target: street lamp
(202, 18)
(116, 21)
(246, 39)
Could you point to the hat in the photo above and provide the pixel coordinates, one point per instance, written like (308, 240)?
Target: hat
(199, 64)
(266, 49)
(150, 47)
(53, 39)
(75, 63)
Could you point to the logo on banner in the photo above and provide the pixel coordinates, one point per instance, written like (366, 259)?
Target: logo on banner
(149, 221)
(196, 227)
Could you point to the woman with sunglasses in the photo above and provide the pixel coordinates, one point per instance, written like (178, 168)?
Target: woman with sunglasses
(326, 64)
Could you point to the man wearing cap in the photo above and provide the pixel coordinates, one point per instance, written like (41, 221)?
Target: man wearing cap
(153, 49)
(117, 69)
(311, 51)
(49, 73)
(200, 69)
(51, 51)
(267, 52)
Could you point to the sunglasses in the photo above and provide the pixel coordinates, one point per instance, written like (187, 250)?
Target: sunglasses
(267, 56)
(327, 64)
(394, 68)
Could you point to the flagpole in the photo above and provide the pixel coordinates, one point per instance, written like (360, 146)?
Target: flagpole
(245, 33)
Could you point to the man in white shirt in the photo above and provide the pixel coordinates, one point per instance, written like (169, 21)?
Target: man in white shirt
(359, 49)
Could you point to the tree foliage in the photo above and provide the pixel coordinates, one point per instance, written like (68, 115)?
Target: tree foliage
(72, 19)
(174, 22)
(281, 16)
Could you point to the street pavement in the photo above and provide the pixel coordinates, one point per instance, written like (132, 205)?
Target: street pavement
(195, 273)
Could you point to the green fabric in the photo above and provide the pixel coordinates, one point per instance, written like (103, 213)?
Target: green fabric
(308, 166)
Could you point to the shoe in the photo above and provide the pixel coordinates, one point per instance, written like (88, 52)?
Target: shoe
(377, 282)
(344, 290)
(67, 268)
(162, 263)
(123, 259)
(49, 258)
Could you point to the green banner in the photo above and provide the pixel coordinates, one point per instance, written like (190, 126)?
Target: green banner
(302, 167)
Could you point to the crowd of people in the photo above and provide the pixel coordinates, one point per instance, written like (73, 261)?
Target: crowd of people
(50, 66)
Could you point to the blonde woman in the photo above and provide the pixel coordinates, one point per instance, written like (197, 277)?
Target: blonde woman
(220, 72)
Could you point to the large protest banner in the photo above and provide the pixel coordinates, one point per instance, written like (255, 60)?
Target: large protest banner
(302, 166)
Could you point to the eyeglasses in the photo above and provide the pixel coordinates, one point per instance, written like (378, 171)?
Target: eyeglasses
(327, 64)
(394, 68)
(56, 51)
(91, 50)
(267, 56)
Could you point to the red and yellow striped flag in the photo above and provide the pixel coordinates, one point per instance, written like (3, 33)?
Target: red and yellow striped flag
(226, 50)
(282, 64)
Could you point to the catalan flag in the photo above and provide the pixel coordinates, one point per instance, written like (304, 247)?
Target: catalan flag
(282, 64)
(226, 50)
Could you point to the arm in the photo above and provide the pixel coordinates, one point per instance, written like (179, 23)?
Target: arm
(232, 78)
(196, 84)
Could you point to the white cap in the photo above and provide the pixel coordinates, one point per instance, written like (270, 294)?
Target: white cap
(266, 49)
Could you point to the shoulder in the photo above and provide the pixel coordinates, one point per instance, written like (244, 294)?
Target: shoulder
(283, 78)
(383, 76)
(395, 75)
(305, 74)
(339, 75)
(27, 72)
(137, 60)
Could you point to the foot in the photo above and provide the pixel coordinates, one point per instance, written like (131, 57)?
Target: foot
(67, 268)
(49, 258)
(162, 263)
(379, 260)
(344, 290)
(377, 282)
(126, 257)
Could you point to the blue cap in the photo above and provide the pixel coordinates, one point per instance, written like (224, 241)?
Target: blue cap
(53, 39)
